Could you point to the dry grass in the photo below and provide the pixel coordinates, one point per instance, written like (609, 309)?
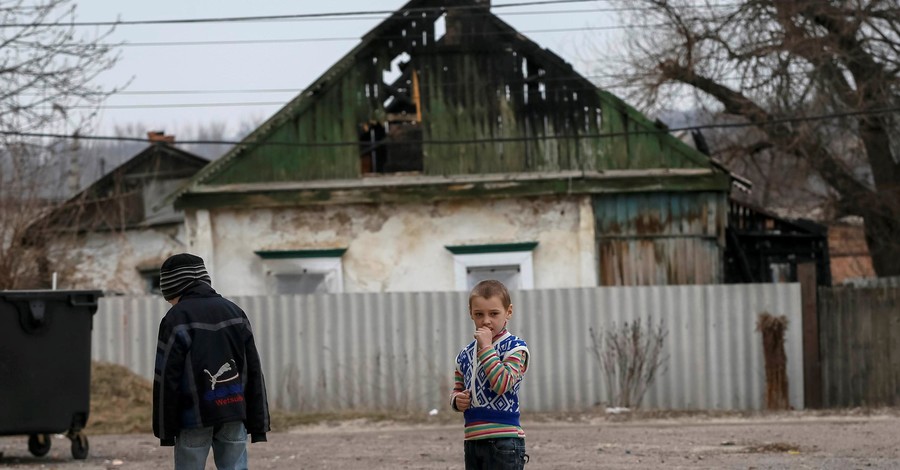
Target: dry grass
(121, 401)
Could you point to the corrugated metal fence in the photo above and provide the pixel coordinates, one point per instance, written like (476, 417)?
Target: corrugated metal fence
(397, 350)
(858, 331)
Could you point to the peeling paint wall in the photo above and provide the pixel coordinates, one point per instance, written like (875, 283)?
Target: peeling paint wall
(112, 261)
(401, 247)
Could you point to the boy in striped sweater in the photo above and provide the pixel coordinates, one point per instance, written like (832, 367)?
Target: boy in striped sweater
(486, 383)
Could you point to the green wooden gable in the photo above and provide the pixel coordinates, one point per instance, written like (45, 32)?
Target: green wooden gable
(438, 90)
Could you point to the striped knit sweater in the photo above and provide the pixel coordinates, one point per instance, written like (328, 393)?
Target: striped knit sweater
(493, 375)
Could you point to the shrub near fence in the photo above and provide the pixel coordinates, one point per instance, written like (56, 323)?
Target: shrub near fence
(860, 355)
(382, 351)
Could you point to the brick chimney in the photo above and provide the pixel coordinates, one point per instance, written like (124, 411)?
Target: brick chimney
(160, 136)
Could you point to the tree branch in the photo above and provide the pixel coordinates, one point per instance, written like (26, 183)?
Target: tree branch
(737, 104)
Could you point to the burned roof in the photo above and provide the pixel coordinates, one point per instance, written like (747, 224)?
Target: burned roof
(442, 89)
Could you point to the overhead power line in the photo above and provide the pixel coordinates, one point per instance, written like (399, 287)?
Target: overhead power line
(361, 15)
(730, 125)
(183, 105)
(299, 90)
(218, 42)
(299, 16)
(515, 88)
(209, 92)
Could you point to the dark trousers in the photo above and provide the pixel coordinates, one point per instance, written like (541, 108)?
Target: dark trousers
(506, 453)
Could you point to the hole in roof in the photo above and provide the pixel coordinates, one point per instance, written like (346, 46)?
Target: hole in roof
(440, 27)
(391, 75)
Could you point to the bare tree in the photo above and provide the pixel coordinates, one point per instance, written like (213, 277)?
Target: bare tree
(630, 357)
(48, 69)
(817, 80)
(29, 238)
(18, 204)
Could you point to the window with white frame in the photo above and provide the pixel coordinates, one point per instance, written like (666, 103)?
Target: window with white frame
(509, 263)
(304, 271)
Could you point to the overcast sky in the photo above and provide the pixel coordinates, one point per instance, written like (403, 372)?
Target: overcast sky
(279, 66)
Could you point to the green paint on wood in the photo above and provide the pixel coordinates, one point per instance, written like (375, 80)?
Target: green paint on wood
(492, 248)
(472, 93)
(291, 254)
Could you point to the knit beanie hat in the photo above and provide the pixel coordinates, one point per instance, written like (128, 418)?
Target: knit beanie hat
(180, 271)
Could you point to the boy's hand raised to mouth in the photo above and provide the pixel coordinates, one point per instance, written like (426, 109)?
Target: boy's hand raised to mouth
(483, 337)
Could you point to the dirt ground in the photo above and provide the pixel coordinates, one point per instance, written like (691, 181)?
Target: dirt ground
(793, 440)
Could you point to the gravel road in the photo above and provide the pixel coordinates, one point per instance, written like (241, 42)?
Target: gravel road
(795, 441)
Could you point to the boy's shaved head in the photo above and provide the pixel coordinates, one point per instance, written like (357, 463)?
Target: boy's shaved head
(490, 288)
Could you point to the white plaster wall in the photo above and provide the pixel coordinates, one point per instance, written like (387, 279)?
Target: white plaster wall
(112, 261)
(400, 247)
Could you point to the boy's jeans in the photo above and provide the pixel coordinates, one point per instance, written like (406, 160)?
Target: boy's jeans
(228, 441)
(506, 453)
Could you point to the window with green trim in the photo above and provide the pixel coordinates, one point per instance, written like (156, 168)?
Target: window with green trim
(509, 263)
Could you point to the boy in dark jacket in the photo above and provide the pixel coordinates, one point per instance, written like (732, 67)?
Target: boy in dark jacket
(208, 390)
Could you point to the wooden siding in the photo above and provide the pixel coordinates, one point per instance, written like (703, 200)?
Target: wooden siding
(660, 238)
(860, 356)
(334, 116)
(117, 200)
(502, 105)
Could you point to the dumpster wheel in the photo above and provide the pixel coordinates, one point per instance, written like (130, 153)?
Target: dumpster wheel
(39, 444)
(80, 445)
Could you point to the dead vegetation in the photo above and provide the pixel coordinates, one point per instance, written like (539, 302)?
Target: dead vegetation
(630, 357)
(120, 401)
(773, 329)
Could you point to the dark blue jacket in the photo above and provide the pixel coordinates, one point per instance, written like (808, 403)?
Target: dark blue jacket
(208, 370)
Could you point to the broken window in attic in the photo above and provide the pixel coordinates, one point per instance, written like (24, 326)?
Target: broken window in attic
(373, 153)
(392, 143)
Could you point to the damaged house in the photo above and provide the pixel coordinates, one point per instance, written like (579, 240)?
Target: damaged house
(114, 234)
(446, 148)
